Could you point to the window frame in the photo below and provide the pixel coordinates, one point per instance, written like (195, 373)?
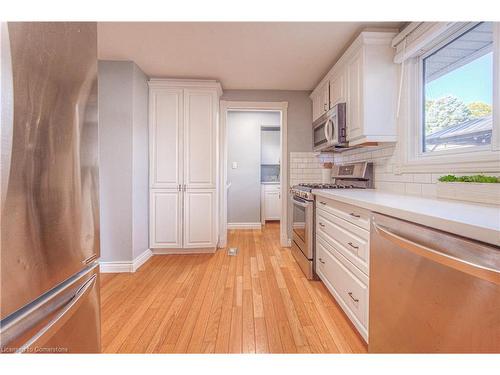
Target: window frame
(467, 159)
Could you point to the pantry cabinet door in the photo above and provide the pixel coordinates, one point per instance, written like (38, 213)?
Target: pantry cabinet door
(165, 127)
(354, 96)
(165, 219)
(200, 142)
(199, 218)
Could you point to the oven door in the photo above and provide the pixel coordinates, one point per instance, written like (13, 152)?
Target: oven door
(302, 225)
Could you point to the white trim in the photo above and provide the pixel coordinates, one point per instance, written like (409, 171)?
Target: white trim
(185, 83)
(125, 266)
(282, 107)
(244, 225)
(184, 251)
(141, 259)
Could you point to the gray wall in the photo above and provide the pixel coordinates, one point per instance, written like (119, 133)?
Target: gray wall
(299, 113)
(244, 147)
(123, 160)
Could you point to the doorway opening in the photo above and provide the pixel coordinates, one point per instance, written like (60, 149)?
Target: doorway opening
(253, 167)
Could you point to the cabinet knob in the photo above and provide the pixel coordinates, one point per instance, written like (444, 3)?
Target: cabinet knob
(323, 203)
(355, 215)
(321, 224)
(321, 261)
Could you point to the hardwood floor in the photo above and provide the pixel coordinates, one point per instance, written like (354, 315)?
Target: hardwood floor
(256, 302)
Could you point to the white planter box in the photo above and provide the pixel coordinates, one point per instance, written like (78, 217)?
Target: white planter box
(470, 191)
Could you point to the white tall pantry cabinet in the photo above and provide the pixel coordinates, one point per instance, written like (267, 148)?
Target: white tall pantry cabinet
(183, 128)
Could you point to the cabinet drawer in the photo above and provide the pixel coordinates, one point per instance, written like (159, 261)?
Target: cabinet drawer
(356, 215)
(351, 241)
(348, 285)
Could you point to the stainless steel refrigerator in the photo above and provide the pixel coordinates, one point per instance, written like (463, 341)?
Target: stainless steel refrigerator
(49, 188)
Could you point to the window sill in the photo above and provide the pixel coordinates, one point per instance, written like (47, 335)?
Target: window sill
(463, 163)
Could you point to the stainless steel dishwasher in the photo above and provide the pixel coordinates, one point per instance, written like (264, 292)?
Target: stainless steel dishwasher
(431, 291)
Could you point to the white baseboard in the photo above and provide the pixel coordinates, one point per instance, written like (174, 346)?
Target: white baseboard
(124, 266)
(244, 225)
(203, 250)
(141, 259)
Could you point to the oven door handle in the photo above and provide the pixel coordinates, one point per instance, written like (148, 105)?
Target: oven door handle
(301, 204)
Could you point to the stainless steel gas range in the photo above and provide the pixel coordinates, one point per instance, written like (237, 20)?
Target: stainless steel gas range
(345, 176)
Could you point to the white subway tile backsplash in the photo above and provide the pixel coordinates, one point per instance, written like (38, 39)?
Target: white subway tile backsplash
(424, 178)
(429, 190)
(413, 189)
(306, 167)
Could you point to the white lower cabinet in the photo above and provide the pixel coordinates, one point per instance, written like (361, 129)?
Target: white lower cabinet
(199, 228)
(271, 202)
(166, 214)
(348, 285)
(183, 219)
(342, 257)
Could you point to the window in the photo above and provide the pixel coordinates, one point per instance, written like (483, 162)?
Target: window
(457, 92)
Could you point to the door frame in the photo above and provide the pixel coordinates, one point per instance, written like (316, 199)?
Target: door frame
(246, 106)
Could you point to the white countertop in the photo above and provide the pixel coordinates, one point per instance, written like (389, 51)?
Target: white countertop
(469, 220)
(270, 182)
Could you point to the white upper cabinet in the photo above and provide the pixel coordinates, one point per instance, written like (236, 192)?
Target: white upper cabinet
(365, 78)
(337, 88)
(165, 122)
(321, 100)
(200, 117)
(354, 121)
(270, 149)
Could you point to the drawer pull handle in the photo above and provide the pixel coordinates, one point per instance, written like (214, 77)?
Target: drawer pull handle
(353, 246)
(321, 261)
(354, 299)
(355, 215)
(323, 203)
(321, 224)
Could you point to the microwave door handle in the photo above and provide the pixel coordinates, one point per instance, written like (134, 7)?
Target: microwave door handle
(326, 130)
(334, 131)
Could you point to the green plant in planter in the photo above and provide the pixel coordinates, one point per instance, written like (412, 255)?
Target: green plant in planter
(476, 178)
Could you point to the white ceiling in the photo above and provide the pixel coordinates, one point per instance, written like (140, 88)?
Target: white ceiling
(252, 55)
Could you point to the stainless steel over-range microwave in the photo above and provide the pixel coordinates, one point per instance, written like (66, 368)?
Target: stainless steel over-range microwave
(329, 131)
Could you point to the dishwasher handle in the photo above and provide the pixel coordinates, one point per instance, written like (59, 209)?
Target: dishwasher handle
(483, 272)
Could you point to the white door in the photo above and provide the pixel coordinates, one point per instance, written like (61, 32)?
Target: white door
(200, 118)
(166, 219)
(199, 218)
(166, 117)
(354, 96)
(272, 205)
(337, 88)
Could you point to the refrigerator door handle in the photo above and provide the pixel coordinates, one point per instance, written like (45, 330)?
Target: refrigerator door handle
(7, 111)
(47, 331)
(439, 257)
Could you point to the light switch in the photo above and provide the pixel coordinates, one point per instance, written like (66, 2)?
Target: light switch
(234, 165)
